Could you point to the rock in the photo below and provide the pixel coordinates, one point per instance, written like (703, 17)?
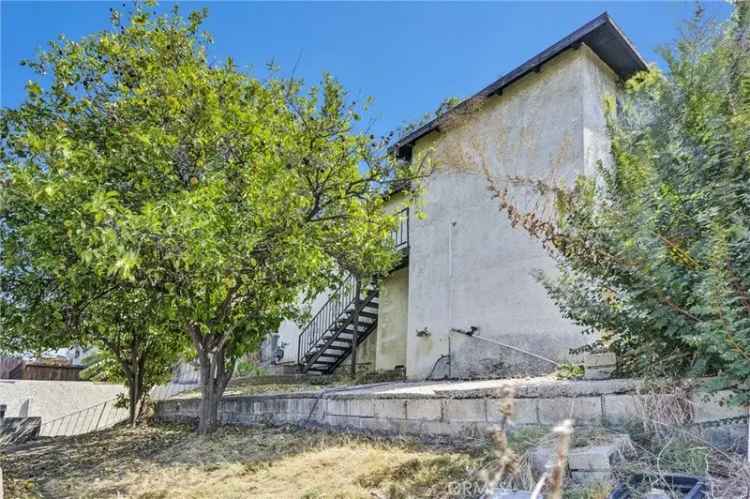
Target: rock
(593, 463)
(599, 365)
(539, 459)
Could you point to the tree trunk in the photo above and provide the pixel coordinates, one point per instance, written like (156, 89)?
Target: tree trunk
(209, 409)
(132, 399)
(135, 392)
(215, 374)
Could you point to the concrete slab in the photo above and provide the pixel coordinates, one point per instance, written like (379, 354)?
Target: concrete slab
(620, 409)
(716, 406)
(590, 477)
(338, 407)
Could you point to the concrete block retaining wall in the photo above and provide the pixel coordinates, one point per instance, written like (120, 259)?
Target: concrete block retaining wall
(589, 403)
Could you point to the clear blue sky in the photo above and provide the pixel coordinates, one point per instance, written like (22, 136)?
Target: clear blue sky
(408, 56)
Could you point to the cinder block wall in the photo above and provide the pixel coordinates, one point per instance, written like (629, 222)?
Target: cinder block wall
(590, 403)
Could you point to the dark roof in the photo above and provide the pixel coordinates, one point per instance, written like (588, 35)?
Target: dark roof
(601, 34)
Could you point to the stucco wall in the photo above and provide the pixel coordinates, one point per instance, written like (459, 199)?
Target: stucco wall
(468, 266)
(393, 321)
(365, 356)
(53, 399)
(289, 330)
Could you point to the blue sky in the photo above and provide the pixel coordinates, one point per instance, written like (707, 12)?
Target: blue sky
(407, 56)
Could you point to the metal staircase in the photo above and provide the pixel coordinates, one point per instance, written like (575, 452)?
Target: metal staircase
(348, 317)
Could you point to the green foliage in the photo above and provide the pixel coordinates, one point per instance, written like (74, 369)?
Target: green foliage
(248, 368)
(206, 199)
(655, 254)
(569, 371)
(446, 105)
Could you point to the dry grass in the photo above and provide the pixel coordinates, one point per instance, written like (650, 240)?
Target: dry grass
(253, 386)
(171, 461)
(243, 387)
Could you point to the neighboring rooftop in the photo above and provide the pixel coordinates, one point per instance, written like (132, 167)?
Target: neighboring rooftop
(601, 34)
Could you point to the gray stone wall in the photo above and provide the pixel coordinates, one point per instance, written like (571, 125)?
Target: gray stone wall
(392, 411)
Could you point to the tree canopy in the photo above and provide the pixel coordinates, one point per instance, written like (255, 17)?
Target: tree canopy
(145, 168)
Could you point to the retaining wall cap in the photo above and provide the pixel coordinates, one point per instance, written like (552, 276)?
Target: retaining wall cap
(550, 388)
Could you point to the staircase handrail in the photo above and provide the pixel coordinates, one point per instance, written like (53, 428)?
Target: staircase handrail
(335, 298)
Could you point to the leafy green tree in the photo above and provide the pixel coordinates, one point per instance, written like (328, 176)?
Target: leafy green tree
(133, 344)
(143, 167)
(655, 251)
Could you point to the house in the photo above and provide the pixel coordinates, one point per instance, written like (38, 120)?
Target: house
(464, 303)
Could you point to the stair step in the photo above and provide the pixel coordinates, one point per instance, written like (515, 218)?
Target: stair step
(335, 347)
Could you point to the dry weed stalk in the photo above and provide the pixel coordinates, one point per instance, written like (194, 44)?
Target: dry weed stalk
(672, 445)
(559, 467)
(506, 460)
(663, 408)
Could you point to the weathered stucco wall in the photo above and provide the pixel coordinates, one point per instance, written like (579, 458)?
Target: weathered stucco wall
(51, 400)
(468, 266)
(393, 321)
(289, 330)
(365, 356)
(599, 83)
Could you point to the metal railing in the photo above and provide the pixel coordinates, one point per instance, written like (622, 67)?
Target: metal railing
(342, 300)
(333, 310)
(106, 414)
(97, 417)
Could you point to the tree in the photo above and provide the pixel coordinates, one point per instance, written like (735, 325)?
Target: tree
(655, 251)
(143, 167)
(133, 344)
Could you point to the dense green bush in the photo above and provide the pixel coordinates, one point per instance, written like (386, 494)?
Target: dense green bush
(654, 252)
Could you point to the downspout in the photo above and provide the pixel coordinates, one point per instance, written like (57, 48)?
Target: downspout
(450, 294)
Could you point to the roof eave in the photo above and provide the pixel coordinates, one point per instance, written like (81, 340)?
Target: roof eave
(598, 34)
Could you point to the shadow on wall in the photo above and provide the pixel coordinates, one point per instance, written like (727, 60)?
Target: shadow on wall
(471, 356)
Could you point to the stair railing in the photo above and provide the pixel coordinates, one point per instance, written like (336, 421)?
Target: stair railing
(340, 301)
(333, 310)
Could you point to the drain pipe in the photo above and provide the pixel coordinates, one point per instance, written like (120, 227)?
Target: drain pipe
(471, 334)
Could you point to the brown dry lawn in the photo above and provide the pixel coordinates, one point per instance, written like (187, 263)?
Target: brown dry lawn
(172, 462)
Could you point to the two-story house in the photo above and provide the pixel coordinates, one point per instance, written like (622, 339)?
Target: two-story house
(464, 302)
